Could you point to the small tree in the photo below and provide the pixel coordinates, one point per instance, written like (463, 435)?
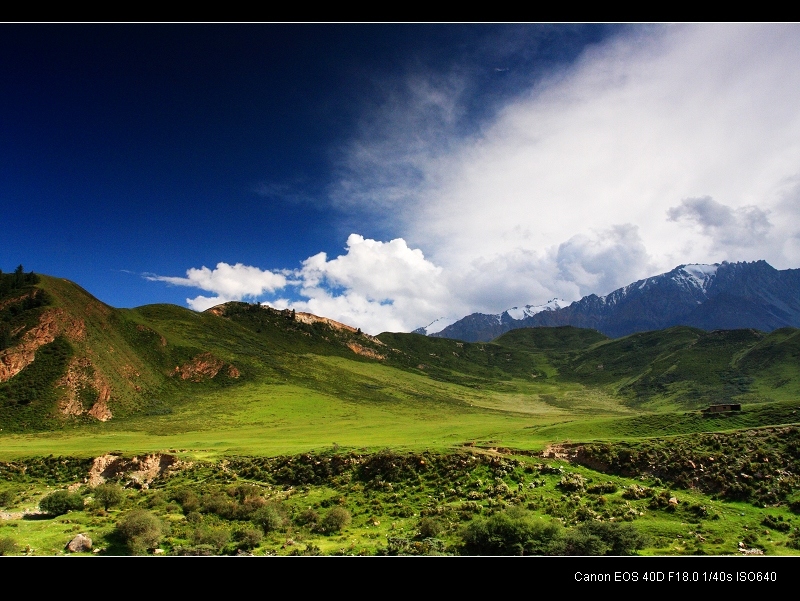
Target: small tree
(108, 495)
(268, 517)
(60, 502)
(6, 496)
(604, 538)
(429, 527)
(248, 538)
(512, 532)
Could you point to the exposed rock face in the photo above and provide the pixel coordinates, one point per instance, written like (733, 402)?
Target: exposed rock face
(79, 544)
(80, 375)
(100, 409)
(203, 366)
(139, 471)
(363, 350)
(310, 318)
(53, 322)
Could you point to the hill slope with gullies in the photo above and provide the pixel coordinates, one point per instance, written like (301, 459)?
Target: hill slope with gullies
(248, 430)
(67, 358)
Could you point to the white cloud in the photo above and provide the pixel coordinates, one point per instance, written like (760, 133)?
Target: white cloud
(377, 286)
(567, 188)
(593, 177)
(604, 262)
(229, 282)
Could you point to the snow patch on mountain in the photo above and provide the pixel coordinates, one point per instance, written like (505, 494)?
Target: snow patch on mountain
(437, 325)
(694, 277)
(529, 310)
(703, 275)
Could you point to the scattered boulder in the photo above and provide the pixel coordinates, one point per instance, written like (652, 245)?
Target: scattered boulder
(79, 544)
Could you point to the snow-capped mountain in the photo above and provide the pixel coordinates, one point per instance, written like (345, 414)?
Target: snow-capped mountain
(486, 327)
(720, 296)
(436, 326)
(531, 310)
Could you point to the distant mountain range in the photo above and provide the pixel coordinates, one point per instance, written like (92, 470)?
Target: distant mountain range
(722, 296)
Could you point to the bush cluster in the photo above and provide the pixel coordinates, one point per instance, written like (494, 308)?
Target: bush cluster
(61, 502)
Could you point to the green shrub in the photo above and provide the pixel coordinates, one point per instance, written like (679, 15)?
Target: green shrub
(140, 530)
(7, 498)
(308, 517)
(776, 523)
(216, 538)
(602, 489)
(7, 546)
(248, 538)
(429, 528)
(336, 519)
(61, 502)
(188, 500)
(603, 538)
(572, 483)
(635, 492)
(268, 517)
(511, 532)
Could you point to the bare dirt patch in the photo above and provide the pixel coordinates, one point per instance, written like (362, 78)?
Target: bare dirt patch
(138, 471)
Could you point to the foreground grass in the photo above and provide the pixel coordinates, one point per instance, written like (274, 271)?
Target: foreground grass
(392, 503)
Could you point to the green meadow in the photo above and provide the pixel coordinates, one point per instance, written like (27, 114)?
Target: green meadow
(270, 433)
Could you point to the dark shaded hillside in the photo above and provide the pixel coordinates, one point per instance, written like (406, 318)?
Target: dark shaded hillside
(557, 339)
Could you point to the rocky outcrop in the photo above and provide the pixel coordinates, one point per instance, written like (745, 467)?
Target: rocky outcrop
(100, 409)
(81, 375)
(359, 349)
(52, 323)
(310, 318)
(203, 367)
(137, 471)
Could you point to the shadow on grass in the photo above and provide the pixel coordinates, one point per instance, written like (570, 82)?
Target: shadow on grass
(33, 517)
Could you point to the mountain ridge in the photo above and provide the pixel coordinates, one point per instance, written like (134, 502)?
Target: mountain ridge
(718, 296)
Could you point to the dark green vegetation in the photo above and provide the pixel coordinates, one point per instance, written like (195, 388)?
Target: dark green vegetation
(61, 502)
(387, 503)
(294, 434)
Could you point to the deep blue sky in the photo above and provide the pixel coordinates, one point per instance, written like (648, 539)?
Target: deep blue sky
(442, 169)
(142, 148)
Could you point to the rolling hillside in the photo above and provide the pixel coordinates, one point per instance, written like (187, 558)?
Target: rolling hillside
(244, 429)
(69, 359)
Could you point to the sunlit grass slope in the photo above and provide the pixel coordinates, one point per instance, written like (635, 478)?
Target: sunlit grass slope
(248, 379)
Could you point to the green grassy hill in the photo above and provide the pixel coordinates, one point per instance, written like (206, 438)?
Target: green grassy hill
(74, 361)
(273, 418)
